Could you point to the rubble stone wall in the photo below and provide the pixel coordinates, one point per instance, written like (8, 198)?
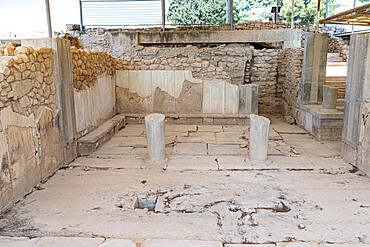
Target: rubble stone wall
(339, 45)
(263, 72)
(88, 65)
(290, 78)
(30, 138)
(26, 79)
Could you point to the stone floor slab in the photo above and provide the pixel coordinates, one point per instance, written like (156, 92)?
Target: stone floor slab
(118, 243)
(180, 128)
(225, 149)
(232, 138)
(232, 163)
(210, 128)
(108, 149)
(17, 242)
(132, 130)
(306, 145)
(329, 163)
(284, 128)
(192, 163)
(117, 163)
(234, 128)
(179, 243)
(69, 242)
(203, 137)
(128, 141)
(190, 149)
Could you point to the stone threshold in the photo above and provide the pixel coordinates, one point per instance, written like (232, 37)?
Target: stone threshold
(197, 118)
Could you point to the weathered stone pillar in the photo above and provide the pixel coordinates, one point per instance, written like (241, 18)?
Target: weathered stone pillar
(314, 67)
(248, 99)
(329, 102)
(357, 92)
(258, 140)
(63, 79)
(155, 136)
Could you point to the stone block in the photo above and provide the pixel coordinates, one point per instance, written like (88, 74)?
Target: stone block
(213, 96)
(357, 91)
(50, 141)
(248, 99)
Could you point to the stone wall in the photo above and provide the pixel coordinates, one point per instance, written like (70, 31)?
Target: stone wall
(94, 88)
(263, 72)
(174, 85)
(88, 65)
(290, 78)
(26, 79)
(220, 61)
(30, 138)
(259, 25)
(339, 45)
(336, 44)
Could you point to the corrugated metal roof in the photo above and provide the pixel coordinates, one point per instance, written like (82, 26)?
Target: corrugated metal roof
(118, 12)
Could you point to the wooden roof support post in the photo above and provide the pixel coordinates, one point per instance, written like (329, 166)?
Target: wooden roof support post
(50, 31)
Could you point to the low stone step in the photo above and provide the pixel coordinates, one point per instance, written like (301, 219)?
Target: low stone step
(92, 141)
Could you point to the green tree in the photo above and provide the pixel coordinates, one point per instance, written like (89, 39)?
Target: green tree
(213, 12)
(305, 11)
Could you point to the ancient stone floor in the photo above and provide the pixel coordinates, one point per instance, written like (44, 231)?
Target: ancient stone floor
(206, 195)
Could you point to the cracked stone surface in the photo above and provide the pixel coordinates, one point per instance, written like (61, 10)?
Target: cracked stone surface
(308, 196)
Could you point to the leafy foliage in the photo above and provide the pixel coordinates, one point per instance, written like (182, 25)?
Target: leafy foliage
(305, 11)
(200, 12)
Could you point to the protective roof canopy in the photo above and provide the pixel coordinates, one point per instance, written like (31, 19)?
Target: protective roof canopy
(358, 16)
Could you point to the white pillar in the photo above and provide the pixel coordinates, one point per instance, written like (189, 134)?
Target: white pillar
(155, 136)
(258, 140)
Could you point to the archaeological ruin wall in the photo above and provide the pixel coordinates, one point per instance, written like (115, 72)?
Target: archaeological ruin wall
(290, 79)
(94, 88)
(30, 139)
